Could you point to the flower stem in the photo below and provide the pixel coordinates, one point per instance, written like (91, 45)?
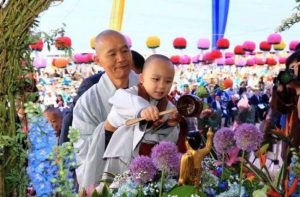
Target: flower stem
(241, 173)
(161, 182)
(223, 158)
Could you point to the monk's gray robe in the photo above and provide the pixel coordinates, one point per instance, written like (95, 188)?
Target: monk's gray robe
(89, 114)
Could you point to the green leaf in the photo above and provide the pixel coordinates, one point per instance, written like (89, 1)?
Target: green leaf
(183, 191)
(264, 148)
(95, 194)
(105, 191)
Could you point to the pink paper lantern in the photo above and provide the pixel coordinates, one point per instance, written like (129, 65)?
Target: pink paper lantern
(240, 63)
(39, 62)
(195, 59)
(229, 55)
(185, 59)
(203, 44)
(250, 62)
(229, 61)
(282, 60)
(293, 45)
(249, 46)
(220, 62)
(83, 58)
(128, 40)
(259, 61)
(274, 38)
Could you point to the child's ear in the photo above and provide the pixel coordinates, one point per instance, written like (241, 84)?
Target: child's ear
(141, 78)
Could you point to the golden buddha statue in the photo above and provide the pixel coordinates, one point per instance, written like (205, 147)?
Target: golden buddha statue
(190, 164)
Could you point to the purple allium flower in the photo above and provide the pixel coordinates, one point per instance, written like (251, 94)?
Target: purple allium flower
(248, 137)
(166, 157)
(223, 140)
(142, 169)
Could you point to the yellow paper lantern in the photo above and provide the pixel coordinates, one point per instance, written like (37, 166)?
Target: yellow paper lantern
(280, 46)
(153, 42)
(92, 42)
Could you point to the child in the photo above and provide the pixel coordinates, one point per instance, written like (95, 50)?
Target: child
(145, 100)
(55, 117)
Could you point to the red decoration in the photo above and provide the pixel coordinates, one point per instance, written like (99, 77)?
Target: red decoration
(175, 59)
(215, 54)
(227, 83)
(38, 46)
(249, 46)
(179, 43)
(223, 43)
(271, 61)
(265, 46)
(207, 57)
(62, 43)
(239, 50)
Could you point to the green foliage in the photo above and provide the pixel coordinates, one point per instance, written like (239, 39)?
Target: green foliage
(291, 20)
(184, 191)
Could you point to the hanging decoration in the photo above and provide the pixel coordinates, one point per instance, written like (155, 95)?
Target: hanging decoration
(153, 42)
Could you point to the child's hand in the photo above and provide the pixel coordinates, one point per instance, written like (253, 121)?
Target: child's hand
(173, 119)
(150, 113)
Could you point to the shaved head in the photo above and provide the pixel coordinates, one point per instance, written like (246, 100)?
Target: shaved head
(150, 62)
(104, 35)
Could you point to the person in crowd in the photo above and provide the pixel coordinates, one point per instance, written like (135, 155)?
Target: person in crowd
(92, 108)
(254, 101)
(175, 93)
(285, 100)
(55, 117)
(138, 62)
(232, 110)
(186, 89)
(145, 101)
(59, 101)
(218, 107)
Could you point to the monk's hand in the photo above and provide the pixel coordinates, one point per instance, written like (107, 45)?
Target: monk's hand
(150, 113)
(173, 119)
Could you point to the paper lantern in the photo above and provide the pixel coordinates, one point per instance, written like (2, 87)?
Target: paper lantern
(240, 63)
(220, 62)
(229, 55)
(185, 59)
(215, 54)
(249, 46)
(207, 57)
(274, 38)
(265, 46)
(175, 59)
(280, 46)
(92, 42)
(203, 44)
(128, 40)
(282, 60)
(195, 59)
(229, 61)
(62, 43)
(293, 45)
(83, 58)
(38, 46)
(60, 62)
(259, 61)
(223, 43)
(39, 62)
(250, 62)
(153, 42)
(239, 50)
(227, 83)
(271, 61)
(179, 43)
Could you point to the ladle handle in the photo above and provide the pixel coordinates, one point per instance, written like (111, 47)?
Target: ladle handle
(136, 120)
